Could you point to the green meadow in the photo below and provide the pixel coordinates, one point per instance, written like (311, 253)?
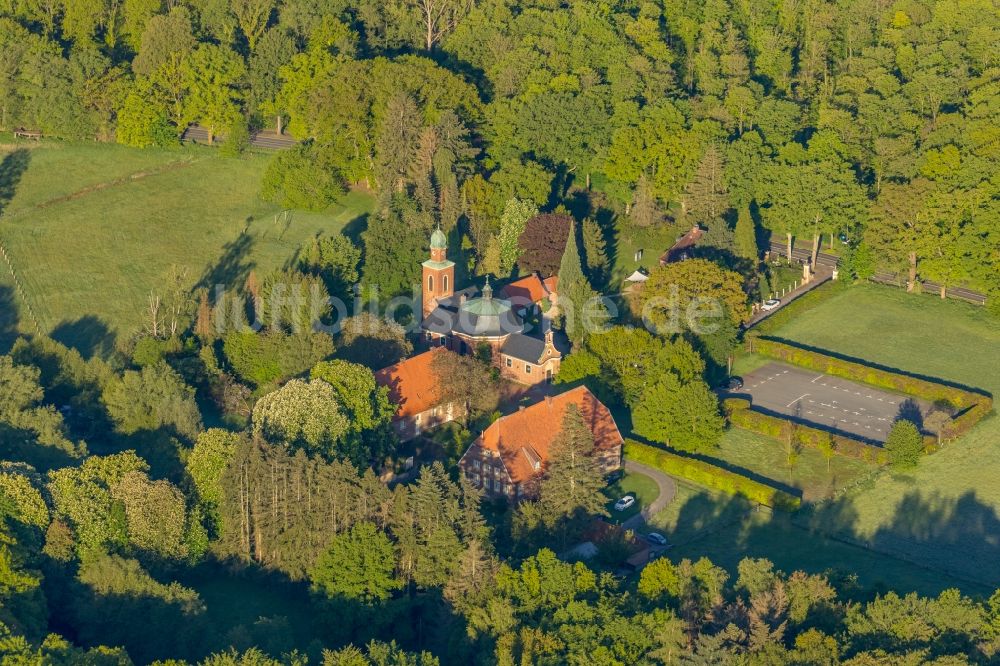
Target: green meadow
(92, 229)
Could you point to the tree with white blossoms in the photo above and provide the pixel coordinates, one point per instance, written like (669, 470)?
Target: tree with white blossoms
(304, 414)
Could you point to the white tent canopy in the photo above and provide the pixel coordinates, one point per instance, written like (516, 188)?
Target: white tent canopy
(637, 277)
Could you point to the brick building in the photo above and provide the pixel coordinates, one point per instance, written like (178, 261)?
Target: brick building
(467, 320)
(511, 454)
(413, 386)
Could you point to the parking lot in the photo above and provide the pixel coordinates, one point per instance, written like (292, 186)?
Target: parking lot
(830, 402)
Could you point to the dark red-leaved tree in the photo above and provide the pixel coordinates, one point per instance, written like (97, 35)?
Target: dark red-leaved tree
(543, 243)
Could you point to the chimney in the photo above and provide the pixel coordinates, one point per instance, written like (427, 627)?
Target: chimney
(548, 336)
(548, 401)
(520, 408)
(461, 298)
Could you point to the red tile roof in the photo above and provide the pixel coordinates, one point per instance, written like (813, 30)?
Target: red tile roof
(530, 289)
(412, 383)
(551, 284)
(685, 242)
(525, 436)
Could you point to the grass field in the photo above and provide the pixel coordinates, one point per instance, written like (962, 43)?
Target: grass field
(944, 514)
(653, 242)
(924, 531)
(701, 523)
(91, 229)
(758, 456)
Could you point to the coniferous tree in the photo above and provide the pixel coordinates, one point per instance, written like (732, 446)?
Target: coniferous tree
(706, 198)
(596, 252)
(746, 236)
(359, 564)
(573, 477)
(579, 305)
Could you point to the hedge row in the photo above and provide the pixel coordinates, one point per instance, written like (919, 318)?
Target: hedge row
(972, 406)
(814, 438)
(710, 476)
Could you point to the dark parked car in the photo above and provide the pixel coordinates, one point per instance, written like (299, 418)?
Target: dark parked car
(735, 384)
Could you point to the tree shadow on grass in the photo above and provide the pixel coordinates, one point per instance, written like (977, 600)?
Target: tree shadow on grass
(355, 228)
(12, 167)
(232, 267)
(8, 318)
(931, 543)
(89, 335)
(960, 534)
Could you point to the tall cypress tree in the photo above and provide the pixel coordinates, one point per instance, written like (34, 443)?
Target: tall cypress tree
(577, 304)
(746, 235)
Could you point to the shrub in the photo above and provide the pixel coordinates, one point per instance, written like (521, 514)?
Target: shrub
(730, 405)
(710, 476)
(266, 358)
(237, 138)
(302, 178)
(150, 351)
(904, 444)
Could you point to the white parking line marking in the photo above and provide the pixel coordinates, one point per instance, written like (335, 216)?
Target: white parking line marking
(797, 399)
(817, 378)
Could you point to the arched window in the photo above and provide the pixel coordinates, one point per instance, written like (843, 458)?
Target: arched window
(444, 283)
(430, 283)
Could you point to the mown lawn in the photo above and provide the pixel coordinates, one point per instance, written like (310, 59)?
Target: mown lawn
(810, 474)
(92, 229)
(945, 513)
(640, 486)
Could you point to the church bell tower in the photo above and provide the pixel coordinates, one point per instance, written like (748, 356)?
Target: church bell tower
(438, 273)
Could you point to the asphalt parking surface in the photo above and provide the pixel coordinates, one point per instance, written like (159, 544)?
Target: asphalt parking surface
(831, 402)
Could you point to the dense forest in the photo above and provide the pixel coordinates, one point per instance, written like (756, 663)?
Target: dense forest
(134, 486)
(876, 120)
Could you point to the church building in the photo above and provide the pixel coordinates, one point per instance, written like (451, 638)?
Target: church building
(466, 320)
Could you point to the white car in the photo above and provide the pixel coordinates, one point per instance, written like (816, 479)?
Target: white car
(770, 304)
(656, 539)
(624, 503)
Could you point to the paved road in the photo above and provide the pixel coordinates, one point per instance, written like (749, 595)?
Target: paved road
(667, 489)
(801, 254)
(951, 292)
(263, 139)
(823, 274)
(829, 260)
(830, 402)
